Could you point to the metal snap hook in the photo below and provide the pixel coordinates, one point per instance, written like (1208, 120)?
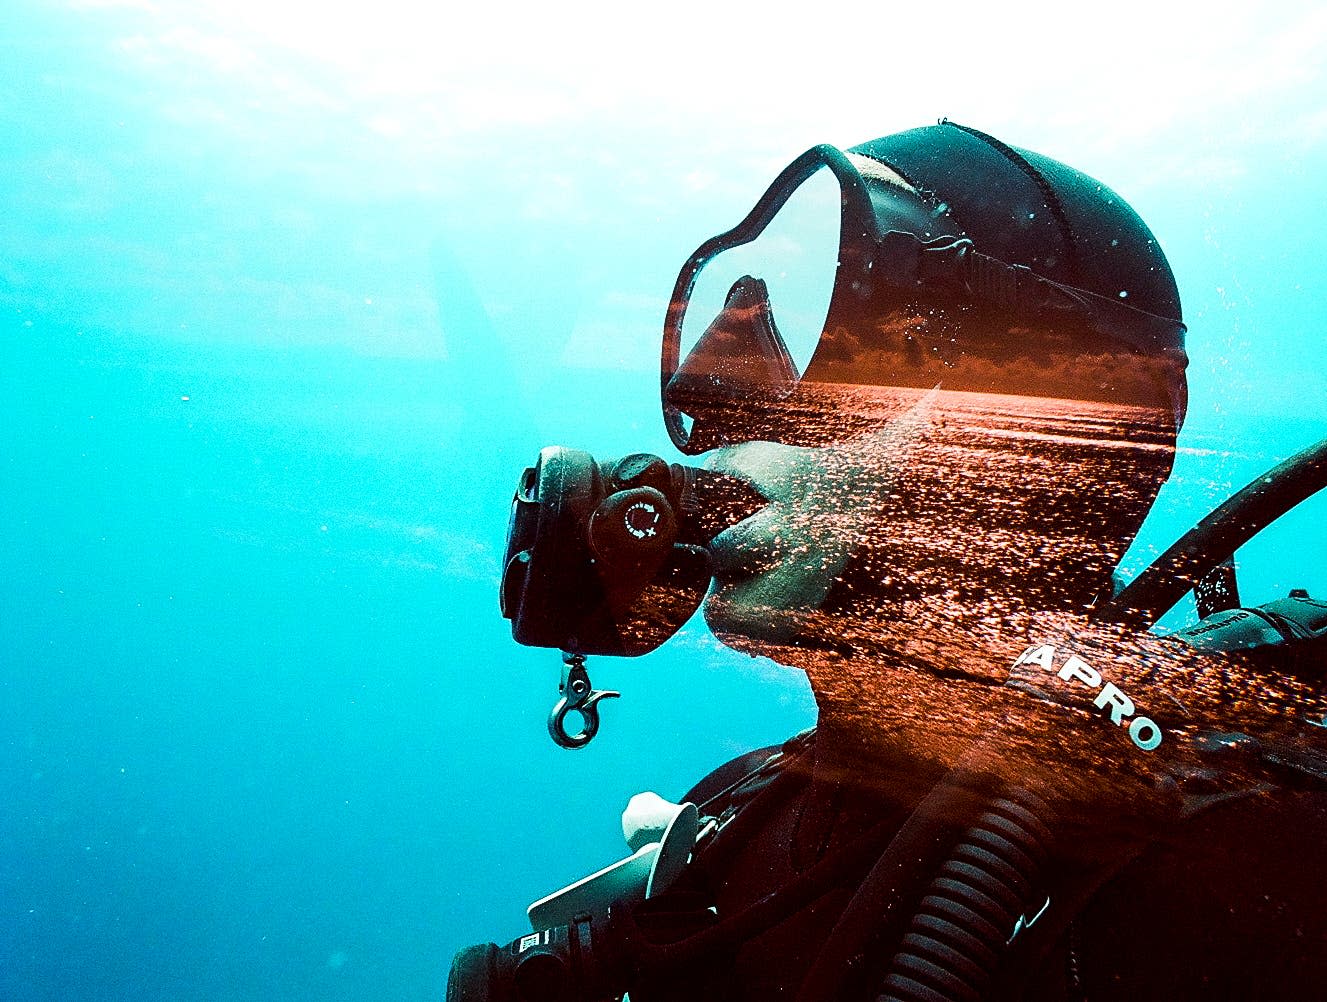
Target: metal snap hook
(578, 695)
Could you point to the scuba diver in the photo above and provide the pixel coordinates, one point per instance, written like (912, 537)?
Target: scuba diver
(919, 478)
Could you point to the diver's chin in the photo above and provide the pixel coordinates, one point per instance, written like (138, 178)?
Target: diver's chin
(767, 587)
(742, 618)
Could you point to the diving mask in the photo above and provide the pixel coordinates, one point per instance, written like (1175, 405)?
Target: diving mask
(844, 273)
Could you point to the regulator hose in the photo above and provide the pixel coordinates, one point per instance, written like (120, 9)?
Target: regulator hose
(1219, 535)
(984, 893)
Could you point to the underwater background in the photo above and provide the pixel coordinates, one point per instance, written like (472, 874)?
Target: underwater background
(289, 295)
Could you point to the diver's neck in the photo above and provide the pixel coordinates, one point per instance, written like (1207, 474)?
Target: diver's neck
(852, 755)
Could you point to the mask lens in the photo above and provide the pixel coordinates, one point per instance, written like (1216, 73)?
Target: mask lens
(796, 257)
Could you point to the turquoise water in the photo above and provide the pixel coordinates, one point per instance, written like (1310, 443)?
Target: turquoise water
(288, 298)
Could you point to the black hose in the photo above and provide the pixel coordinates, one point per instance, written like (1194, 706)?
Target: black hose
(970, 910)
(1219, 535)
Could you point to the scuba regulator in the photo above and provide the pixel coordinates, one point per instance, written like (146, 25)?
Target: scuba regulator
(608, 558)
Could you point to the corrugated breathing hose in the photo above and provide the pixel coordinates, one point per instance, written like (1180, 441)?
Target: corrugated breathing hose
(970, 911)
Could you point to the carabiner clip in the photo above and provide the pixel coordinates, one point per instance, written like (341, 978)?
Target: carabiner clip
(579, 696)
